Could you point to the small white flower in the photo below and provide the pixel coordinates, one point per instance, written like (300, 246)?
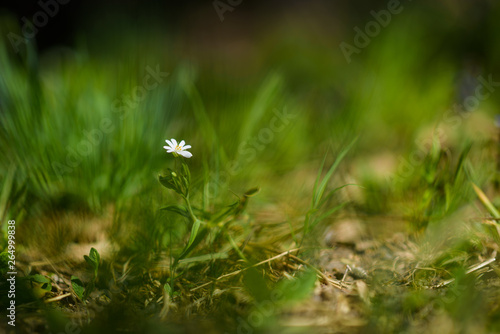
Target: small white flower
(178, 149)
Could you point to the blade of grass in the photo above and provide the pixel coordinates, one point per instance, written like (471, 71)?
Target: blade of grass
(318, 177)
(203, 258)
(330, 194)
(329, 212)
(461, 160)
(321, 189)
(486, 202)
(236, 248)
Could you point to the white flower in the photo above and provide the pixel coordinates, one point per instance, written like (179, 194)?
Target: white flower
(178, 149)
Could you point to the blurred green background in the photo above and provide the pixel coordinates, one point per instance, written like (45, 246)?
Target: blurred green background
(225, 80)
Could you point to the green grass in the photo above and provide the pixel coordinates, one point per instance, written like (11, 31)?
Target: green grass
(279, 157)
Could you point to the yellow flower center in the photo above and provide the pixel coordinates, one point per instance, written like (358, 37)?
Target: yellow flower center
(178, 148)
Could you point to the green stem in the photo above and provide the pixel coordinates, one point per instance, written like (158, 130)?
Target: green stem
(194, 229)
(190, 209)
(172, 267)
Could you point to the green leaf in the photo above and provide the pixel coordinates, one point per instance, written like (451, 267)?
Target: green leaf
(167, 182)
(93, 260)
(298, 289)
(45, 282)
(78, 288)
(90, 262)
(167, 289)
(252, 192)
(186, 185)
(225, 212)
(256, 285)
(201, 235)
(177, 209)
(88, 290)
(94, 255)
(39, 278)
(194, 232)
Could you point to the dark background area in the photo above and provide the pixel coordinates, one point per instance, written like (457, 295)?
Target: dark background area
(468, 18)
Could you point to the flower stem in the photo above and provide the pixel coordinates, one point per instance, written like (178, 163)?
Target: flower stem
(190, 209)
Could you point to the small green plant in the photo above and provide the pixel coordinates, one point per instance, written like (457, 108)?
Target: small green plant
(439, 186)
(179, 180)
(213, 226)
(81, 291)
(38, 284)
(315, 214)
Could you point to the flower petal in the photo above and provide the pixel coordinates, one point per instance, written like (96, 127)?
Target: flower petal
(169, 143)
(182, 143)
(186, 147)
(174, 142)
(185, 154)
